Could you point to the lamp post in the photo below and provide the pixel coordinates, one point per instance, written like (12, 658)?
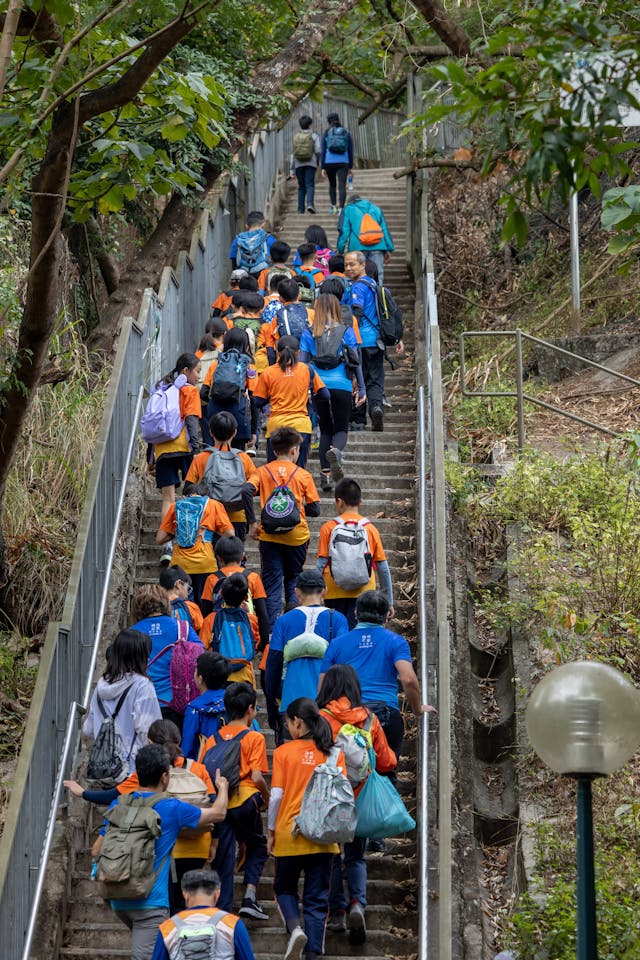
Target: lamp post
(583, 720)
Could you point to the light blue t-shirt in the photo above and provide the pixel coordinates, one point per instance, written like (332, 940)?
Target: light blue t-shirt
(363, 295)
(336, 379)
(301, 679)
(163, 631)
(175, 816)
(372, 651)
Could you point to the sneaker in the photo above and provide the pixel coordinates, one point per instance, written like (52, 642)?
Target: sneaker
(297, 943)
(376, 846)
(311, 209)
(357, 926)
(386, 403)
(251, 451)
(337, 921)
(251, 908)
(325, 482)
(357, 427)
(333, 211)
(167, 552)
(334, 456)
(377, 419)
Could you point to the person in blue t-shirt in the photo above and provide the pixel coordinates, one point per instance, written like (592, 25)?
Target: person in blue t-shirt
(144, 916)
(205, 715)
(381, 658)
(298, 642)
(151, 610)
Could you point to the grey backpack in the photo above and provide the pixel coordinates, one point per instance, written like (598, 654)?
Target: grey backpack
(328, 810)
(224, 478)
(350, 560)
(108, 763)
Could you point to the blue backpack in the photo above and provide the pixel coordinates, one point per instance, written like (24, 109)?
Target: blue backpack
(225, 757)
(189, 513)
(232, 635)
(293, 320)
(230, 378)
(252, 251)
(337, 140)
(161, 420)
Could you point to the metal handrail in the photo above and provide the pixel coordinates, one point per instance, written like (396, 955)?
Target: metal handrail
(519, 394)
(423, 741)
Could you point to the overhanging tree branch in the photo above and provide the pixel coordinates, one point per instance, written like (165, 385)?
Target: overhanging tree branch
(449, 30)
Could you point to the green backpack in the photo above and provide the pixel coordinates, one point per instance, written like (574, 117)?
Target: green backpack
(124, 869)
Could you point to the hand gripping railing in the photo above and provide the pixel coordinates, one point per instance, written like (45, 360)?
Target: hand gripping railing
(519, 394)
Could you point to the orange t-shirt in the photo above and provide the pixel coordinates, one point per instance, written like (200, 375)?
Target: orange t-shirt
(222, 301)
(262, 277)
(256, 587)
(339, 712)
(253, 756)
(251, 370)
(195, 473)
(200, 557)
(288, 392)
(300, 482)
(190, 406)
(293, 765)
(245, 672)
(184, 846)
(375, 548)
(196, 614)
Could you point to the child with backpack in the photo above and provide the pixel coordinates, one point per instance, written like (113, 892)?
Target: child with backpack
(171, 427)
(230, 554)
(304, 161)
(285, 386)
(205, 715)
(248, 315)
(223, 301)
(316, 235)
(177, 583)
(280, 253)
(298, 643)
(228, 383)
(175, 647)
(356, 729)
(306, 267)
(250, 249)
(123, 706)
(294, 764)
(336, 161)
(287, 495)
(293, 316)
(242, 753)
(228, 475)
(191, 525)
(350, 553)
(332, 348)
(232, 629)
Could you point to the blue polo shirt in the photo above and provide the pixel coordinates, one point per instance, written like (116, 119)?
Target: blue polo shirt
(175, 816)
(163, 631)
(372, 651)
(301, 679)
(363, 295)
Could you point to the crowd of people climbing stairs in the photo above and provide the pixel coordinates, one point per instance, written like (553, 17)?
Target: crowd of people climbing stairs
(291, 359)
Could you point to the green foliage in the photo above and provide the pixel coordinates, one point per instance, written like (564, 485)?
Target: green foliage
(545, 924)
(551, 116)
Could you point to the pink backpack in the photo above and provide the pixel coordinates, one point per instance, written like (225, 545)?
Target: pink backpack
(322, 260)
(182, 668)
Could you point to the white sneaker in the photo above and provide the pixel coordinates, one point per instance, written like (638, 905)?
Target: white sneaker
(297, 943)
(334, 458)
(167, 553)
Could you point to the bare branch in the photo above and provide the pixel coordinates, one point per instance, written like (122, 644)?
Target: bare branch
(436, 162)
(9, 30)
(339, 71)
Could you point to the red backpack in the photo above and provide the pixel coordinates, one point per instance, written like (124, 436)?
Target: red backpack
(182, 668)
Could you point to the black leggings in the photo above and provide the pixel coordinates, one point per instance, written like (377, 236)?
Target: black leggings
(333, 415)
(337, 171)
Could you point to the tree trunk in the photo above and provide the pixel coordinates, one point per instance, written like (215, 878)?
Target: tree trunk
(179, 219)
(449, 31)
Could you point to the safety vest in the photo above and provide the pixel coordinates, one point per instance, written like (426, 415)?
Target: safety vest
(202, 933)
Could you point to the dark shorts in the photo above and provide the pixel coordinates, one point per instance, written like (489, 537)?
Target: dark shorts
(170, 467)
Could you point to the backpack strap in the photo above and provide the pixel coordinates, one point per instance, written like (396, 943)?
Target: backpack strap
(331, 612)
(121, 700)
(183, 630)
(285, 317)
(164, 649)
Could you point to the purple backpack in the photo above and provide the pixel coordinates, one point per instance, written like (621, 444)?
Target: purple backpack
(182, 668)
(161, 421)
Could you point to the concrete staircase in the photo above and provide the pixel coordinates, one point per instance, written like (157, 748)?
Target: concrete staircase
(383, 463)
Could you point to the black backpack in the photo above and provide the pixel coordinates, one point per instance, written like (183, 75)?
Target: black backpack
(329, 347)
(224, 756)
(107, 765)
(280, 512)
(389, 316)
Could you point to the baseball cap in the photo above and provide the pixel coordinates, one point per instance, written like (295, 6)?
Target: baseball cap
(310, 580)
(238, 274)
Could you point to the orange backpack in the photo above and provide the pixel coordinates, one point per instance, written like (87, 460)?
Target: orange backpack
(370, 232)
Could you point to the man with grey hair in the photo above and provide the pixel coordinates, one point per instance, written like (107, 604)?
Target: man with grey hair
(201, 930)
(363, 301)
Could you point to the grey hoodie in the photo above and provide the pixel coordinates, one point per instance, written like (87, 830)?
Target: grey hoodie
(137, 713)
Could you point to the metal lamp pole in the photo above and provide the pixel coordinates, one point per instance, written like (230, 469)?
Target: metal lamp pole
(587, 922)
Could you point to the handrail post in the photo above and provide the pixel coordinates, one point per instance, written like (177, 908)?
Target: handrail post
(520, 390)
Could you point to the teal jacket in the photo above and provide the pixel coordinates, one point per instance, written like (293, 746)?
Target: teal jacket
(349, 227)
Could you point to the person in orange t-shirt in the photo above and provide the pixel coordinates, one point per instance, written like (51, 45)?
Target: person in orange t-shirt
(282, 555)
(197, 560)
(243, 822)
(230, 554)
(286, 387)
(234, 594)
(223, 427)
(169, 461)
(189, 853)
(348, 499)
(340, 701)
(223, 301)
(293, 766)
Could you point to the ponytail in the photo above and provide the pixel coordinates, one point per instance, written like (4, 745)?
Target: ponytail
(288, 348)
(166, 734)
(188, 360)
(307, 711)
